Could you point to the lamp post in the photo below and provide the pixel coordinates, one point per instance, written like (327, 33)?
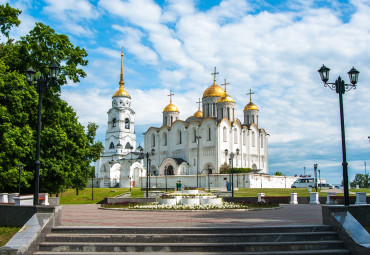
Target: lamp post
(340, 88)
(319, 178)
(232, 173)
(197, 138)
(148, 171)
(209, 182)
(20, 168)
(165, 173)
(92, 186)
(315, 169)
(42, 84)
(237, 170)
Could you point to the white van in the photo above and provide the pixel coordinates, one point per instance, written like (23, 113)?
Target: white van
(304, 183)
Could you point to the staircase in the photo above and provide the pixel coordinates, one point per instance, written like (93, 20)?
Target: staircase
(220, 240)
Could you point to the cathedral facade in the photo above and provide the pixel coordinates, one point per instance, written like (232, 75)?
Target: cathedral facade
(205, 141)
(120, 165)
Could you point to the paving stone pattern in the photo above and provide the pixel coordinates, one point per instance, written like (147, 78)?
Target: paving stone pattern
(90, 215)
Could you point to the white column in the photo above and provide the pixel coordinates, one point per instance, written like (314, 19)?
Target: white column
(361, 198)
(314, 198)
(293, 198)
(328, 201)
(260, 196)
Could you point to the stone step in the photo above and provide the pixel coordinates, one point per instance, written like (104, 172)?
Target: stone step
(192, 238)
(309, 252)
(191, 247)
(191, 230)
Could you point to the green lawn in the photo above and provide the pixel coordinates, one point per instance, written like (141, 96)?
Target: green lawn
(6, 233)
(249, 192)
(84, 196)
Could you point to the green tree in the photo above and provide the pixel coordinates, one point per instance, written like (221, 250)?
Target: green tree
(8, 18)
(277, 173)
(362, 180)
(66, 150)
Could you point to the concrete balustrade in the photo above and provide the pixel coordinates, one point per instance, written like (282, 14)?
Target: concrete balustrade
(314, 198)
(361, 198)
(260, 196)
(328, 199)
(23, 200)
(3, 197)
(294, 198)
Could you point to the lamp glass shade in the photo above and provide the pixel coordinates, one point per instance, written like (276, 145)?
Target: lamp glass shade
(237, 151)
(324, 73)
(54, 71)
(353, 75)
(226, 152)
(153, 151)
(231, 155)
(30, 74)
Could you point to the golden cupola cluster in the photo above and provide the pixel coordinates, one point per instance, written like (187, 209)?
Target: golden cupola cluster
(121, 92)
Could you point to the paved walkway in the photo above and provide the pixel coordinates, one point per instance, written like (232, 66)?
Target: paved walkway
(90, 215)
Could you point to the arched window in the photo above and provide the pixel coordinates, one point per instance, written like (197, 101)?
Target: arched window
(194, 135)
(233, 117)
(164, 139)
(153, 140)
(209, 134)
(165, 120)
(253, 119)
(235, 136)
(261, 141)
(111, 146)
(224, 134)
(179, 141)
(228, 113)
(244, 138)
(114, 122)
(214, 109)
(253, 139)
(209, 110)
(171, 120)
(127, 123)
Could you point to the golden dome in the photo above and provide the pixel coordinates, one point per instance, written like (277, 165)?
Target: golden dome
(198, 114)
(214, 91)
(171, 108)
(226, 99)
(250, 106)
(121, 92)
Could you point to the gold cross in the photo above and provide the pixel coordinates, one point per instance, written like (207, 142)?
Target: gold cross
(250, 95)
(214, 75)
(225, 84)
(170, 95)
(199, 102)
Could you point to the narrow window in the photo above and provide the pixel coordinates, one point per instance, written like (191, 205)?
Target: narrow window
(253, 140)
(180, 138)
(244, 138)
(248, 119)
(209, 134)
(225, 134)
(222, 113)
(228, 113)
(114, 122)
(164, 139)
(253, 119)
(171, 120)
(235, 136)
(127, 123)
(261, 141)
(214, 110)
(111, 146)
(153, 140)
(195, 135)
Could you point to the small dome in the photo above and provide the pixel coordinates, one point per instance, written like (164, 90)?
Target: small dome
(214, 91)
(121, 92)
(198, 114)
(250, 106)
(226, 99)
(171, 108)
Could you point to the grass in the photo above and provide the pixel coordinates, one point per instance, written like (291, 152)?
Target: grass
(6, 233)
(252, 192)
(84, 196)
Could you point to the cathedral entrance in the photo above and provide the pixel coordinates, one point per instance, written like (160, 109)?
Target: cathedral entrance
(169, 170)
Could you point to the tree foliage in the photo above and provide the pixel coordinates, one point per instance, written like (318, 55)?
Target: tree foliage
(362, 180)
(277, 173)
(8, 18)
(67, 149)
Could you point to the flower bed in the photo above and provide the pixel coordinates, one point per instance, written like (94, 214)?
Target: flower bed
(190, 201)
(156, 206)
(190, 191)
(212, 201)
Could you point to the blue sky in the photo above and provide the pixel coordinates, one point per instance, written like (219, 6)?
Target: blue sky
(272, 47)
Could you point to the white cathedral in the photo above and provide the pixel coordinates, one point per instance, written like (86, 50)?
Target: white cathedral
(200, 144)
(203, 142)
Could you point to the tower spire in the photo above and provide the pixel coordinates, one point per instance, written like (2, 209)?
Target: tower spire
(121, 82)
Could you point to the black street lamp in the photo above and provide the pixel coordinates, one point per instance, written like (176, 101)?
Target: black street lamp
(315, 171)
(148, 171)
(165, 173)
(197, 138)
(232, 173)
(42, 84)
(237, 170)
(320, 179)
(209, 182)
(20, 168)
(340, 88)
